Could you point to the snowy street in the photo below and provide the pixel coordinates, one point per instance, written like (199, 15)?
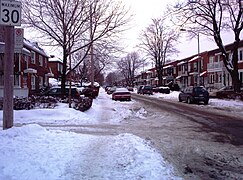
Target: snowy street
(115, 140)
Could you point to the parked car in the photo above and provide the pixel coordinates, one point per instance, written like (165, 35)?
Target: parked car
(224, 92)
(194, 95)
(111, 90)
(121, 94)
(129, 88)
(56, 92)
(161, 89)
(145, 90)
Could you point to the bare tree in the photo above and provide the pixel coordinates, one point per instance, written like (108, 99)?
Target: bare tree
(158, 42)
(211, 18)
(112, 78)
(129, 65)
(74, 25)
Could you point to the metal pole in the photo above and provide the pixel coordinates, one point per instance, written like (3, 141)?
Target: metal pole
(8, 77)
(199, 59)
(91, 48)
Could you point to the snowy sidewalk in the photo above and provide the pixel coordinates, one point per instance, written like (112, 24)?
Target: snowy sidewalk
(33, 152)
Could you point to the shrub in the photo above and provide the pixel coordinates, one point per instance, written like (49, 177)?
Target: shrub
(81, 104)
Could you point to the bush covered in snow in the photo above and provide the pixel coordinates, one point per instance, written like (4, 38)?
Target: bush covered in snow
(81, 104)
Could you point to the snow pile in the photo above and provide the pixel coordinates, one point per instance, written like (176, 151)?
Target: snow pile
(53, 82)
(32, 152)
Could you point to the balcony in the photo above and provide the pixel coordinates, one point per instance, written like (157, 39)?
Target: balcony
(217, 66)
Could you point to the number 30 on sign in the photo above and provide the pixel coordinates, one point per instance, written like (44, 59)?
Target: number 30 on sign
(10, 13)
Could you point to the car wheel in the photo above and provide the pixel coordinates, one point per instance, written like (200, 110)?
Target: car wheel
(206, 102)
(189, 101)
(180, 100)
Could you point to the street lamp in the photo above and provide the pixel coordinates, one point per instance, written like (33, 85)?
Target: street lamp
(198, 52)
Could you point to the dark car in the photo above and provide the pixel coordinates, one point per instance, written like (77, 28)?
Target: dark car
(56, 92)
(145, 90)
(121, 94)
(224, 92)
(194, 95)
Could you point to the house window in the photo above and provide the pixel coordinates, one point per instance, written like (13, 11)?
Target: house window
(32, 57)
(59, 68)
(33, 82)
(211, 59)
(240, 55)
(211, 78)
(45, 62)
(218, 58)
(26, 61)
(41, 82)
(201, 63)
(195, 65)
(40, 60)
(16, 80)
(241, 77)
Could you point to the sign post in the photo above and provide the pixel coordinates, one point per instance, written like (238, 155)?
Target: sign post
(10, 16)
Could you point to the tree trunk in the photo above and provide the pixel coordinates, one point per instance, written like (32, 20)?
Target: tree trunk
(64, 70)
(235, 73)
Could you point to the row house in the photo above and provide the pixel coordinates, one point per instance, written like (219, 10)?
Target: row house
(56, 66)
(31, 70)
(218, 76)
(206, 69)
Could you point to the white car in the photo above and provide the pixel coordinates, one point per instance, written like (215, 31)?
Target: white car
(121, 94)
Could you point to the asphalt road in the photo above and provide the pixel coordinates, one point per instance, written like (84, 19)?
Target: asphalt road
(211, 120)
(200, 141)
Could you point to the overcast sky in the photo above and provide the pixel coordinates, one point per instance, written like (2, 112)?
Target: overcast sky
(145, 10)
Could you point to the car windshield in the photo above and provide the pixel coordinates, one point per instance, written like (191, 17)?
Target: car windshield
(147, 87)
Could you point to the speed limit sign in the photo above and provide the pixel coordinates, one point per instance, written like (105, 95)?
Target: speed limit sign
(10, 14)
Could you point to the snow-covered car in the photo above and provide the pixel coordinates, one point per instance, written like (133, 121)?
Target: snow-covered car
(56, 92)
(162, 89)
(121, 94)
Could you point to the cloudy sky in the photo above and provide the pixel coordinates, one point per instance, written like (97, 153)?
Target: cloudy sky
(145, 10)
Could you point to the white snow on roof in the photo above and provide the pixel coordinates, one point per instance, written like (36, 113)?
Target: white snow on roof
(182, 62)
(55, 60)
(35, 47)
(195, 58)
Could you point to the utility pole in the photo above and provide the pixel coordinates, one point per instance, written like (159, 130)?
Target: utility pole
(10, 16)
(199, 59)
(8, 77)
(91, 48)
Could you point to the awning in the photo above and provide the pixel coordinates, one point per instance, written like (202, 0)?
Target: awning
(194, 59)
(193, 73)
(169, 66)
(30, 70)
(180, 63)
(203, 73)
(26, 51)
